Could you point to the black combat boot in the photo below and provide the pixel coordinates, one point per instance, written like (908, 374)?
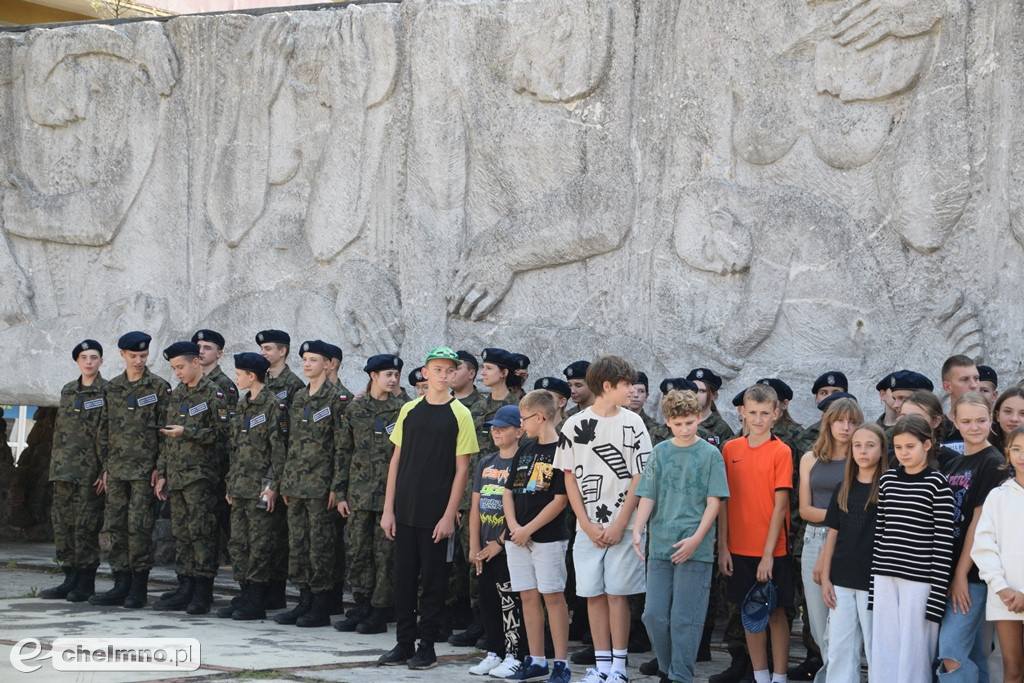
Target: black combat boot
(117, 594)
(181, 598)
(202, 596)
(167, 595)
(472, 633)
(60, 592)
(252, 608)
(305, 602)
(318, 612)
(275, 594)
(86, 586)
(137, 596)
(355, 615)
(376, 622)
(737, 668)
(228, 611)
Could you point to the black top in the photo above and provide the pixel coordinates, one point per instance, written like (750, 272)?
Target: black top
(426, 468)
(851, 560)
(971, 477)
(534, 483)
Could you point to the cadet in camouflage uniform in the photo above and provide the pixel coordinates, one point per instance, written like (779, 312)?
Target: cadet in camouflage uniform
(560, 391)
(274, 345)
(313, 440)
(75, 470)
(712, 422)
(418, 382)
(196, 419)
(522, 370)
(498, 374)
(211, 348)
(257, 461)
(337, 604)
(576, 376)
(129, 445)
(360, 480)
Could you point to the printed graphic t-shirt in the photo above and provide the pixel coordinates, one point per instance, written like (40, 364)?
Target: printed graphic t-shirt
(972, 478)
(489, 481)
(534, 483)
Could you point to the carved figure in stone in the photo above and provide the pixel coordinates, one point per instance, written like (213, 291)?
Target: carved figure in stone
(299, 150)
(515, 158)
(877, 84)
(85, 106)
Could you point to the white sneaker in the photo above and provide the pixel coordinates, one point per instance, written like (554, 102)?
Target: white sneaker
(508, 667)
(489, 663)
(593, 676)
(617, 677)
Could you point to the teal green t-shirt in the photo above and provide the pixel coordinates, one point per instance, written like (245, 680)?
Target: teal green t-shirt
(679, 481)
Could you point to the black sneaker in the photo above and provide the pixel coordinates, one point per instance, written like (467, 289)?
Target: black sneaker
(399, 654)
(424, 657)
(584, 656)
(650, 668)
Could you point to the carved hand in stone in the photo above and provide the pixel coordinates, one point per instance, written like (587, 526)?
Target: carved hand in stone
(369, 308)
(479, 284)
(864, 23)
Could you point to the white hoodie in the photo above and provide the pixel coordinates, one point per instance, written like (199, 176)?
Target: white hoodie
(999, 547)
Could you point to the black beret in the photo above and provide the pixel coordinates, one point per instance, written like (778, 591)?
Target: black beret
(383, 361)
(823, 406)
(677, 384)
(86, 345)
(559, 386)
(908, 380)
(317, 346)
(182, 348)
(577, 370)
(253, 362)
(987, 374)
(273, 337)
(782, 390)
(210, 336)
(134, 341)
(499, 357)
(641, 378)
(832, 378)
(467, 357)
(885, 382)
(521, 360)
(335, 350)
(707, 376)
(416, 376)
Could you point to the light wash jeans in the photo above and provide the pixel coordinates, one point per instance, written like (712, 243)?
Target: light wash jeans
(817, 612)
(849, 628)
(677, 602)
(961, 638)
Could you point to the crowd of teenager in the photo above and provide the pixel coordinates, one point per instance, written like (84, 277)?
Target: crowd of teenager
(895, 538)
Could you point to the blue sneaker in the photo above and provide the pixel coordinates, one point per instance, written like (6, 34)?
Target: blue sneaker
(530, 672)
(560, 673)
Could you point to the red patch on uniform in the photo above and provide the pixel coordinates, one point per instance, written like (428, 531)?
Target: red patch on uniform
(282, 406)
(168, 391)
(231, 390)
(342, 397)
(220, 395)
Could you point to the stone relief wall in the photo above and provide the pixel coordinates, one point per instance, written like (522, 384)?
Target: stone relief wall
(773, 189)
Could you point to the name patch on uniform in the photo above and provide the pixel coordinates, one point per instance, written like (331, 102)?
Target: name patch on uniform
(282, 394)
(147, 400)
(195, 410)
(390, 428)
(321, 414)
(95, 403)
(258, 420)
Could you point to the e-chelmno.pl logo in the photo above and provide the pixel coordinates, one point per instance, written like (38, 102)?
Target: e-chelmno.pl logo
(108, 654)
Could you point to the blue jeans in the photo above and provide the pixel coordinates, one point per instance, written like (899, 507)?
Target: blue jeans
(677, 601)
(817, 612)
(961, 639)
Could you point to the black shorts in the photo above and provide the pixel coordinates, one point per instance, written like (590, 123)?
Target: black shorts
(744, 575)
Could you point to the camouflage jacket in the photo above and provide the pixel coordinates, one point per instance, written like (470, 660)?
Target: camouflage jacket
(482, 407)
(193, 455)
(285, 385)
(227, 387)
(314, 436)
(76, 435)
(718, 430)
(128, 448)
(364, 452)
(810, 437)
(257, 445)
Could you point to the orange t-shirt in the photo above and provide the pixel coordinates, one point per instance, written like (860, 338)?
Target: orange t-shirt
(754, 475)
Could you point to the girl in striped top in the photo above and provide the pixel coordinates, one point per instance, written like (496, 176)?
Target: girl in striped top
(913, 556)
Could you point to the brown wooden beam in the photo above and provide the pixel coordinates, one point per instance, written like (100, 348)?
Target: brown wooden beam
(23, 12)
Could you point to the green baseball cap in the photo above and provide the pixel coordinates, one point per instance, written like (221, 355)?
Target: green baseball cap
(444, 353)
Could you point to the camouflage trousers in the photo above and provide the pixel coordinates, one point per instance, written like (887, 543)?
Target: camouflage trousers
(338, 573)
(279, 542)
(130, 513)
(77, 516)
(371, 556)
(194, 528)
(251, 542)
(311, 541)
